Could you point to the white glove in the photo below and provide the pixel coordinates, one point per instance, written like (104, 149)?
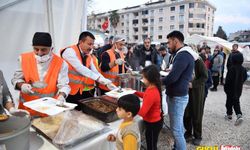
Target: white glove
(111, 86)
(18, 112)
(61, 100)
(26, 88)
(104, 81)
(119, 61)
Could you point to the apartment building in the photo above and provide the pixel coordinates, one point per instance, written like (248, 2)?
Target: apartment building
(157, 19)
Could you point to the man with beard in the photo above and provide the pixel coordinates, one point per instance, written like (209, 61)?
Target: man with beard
(82, 69)
(146, 55)
(177, 83)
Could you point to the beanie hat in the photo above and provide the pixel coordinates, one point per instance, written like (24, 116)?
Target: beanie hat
(42, 39)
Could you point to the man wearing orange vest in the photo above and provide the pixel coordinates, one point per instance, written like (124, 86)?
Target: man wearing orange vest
(82, 69)
(41, 73)
(112, 62)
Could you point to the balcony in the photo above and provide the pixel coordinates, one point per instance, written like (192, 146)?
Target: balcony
(197, 10)
(196, 30)
(196, 20)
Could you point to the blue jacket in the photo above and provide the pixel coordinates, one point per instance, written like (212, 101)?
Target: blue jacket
(181, 74)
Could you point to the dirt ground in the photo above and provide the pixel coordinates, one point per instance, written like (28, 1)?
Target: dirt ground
(216, 130)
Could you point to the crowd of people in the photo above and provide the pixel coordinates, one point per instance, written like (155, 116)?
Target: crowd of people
(81, 72)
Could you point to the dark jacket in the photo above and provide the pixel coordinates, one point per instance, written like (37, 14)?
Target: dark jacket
(229, 60)
(181, 74)
(140, 54)
(198, 83)
(236, 76)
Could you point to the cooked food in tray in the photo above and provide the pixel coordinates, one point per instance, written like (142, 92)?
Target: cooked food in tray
(97, 104)
(3, 117)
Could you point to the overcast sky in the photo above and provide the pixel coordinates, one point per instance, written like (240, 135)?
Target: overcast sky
(232, 15)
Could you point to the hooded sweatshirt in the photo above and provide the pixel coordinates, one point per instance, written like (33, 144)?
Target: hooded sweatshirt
(181, 73)
(236, 76)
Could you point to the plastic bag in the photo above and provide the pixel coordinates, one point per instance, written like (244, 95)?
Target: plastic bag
(77, 127)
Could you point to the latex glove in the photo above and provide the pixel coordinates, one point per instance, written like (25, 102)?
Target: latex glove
(26, 88)
(18, 112)
(61, 100)
(119, 61)
(104, 81)
(111, 86)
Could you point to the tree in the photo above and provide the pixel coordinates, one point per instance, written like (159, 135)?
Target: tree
(221, 33)
(114, 18)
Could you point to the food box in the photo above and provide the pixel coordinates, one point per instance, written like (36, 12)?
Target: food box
(116, 93)
(99, 108)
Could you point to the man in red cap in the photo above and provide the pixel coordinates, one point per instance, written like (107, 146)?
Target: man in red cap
(41, 73)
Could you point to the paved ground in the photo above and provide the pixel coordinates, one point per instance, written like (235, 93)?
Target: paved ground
(216, 130)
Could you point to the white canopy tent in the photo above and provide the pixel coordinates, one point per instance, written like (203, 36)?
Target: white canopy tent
(20, 19)
(211, 41)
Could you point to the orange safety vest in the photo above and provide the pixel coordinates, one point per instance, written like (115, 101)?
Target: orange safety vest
(112, 73)
(78, 82)
(30, 72)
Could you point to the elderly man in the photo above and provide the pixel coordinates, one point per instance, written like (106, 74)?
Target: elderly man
(82, 69)
(112, 62)
(41, 73)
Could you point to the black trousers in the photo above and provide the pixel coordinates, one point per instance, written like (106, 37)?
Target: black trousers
(193, 116)
(152, 133)
(215, 81)
(75, 98)
(233, 103)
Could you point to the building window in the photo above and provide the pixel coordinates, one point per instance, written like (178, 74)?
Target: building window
(203, 26)
(136, 37)
(161, 10)
(99, 26)
(127, 22)
(122, 31)
(136, 29)
(181, 27)
(161, 19)
(152, 20)
(136, 14)
(160, 28)
(122, 24)
(198, 25)
(159, 37)
(135, 21)
(191, 5)
(152, 11)
(172, 18)
(122, 16)
(144, 36)
(127, 31)
(172, 9)
(144, 12)
(171, 27)
(127, 15)
(181, 18)
(99, 20)
(182, 8)
(152, 29)
(190, 25)
(144, 21)
(191, 15)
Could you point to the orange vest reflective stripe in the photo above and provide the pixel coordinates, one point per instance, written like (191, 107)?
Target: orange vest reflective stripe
(77, 82)
(30, 72)
(112, 73)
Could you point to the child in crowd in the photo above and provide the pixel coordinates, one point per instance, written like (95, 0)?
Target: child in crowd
(235, 78)
(151, 110)
(128, 135)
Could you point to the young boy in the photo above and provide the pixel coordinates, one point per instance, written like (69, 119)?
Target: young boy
(235, 78)
(128, 135)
